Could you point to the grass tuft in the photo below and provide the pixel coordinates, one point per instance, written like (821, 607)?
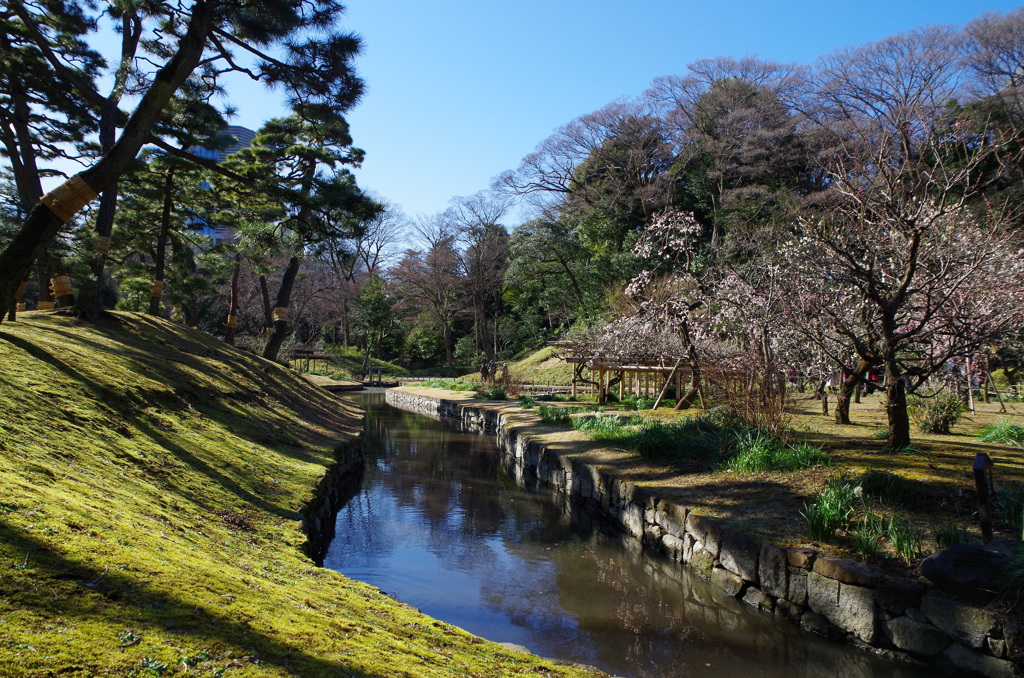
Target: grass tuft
(1005, 432)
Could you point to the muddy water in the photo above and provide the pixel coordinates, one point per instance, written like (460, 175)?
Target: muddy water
(439, 526)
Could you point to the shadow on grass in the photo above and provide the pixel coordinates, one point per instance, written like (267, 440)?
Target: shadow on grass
(113, 599)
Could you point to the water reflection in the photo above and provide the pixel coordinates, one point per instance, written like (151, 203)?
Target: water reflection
(439, 526)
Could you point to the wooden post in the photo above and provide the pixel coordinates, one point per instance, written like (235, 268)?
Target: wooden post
(668, 380)
(622, 384)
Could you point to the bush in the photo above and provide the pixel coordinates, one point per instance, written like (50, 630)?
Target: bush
(937, 414)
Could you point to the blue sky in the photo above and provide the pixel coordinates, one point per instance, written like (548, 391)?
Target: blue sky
(460, 90)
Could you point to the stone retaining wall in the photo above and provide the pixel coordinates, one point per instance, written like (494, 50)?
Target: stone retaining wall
(339, 484)
(837, 598)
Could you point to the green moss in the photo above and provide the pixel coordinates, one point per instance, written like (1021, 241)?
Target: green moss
(151, 483)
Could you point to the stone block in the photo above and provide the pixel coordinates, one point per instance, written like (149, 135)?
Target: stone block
(965, 623)
(645, 498)
(632, 518)
(801, 557)
(652, 537)
(897, 597)
(756, 597)
(846, 571)
(797, 589)
(772, 571)
(672, 518)
(915, 637)
(815, 623)
(788, 609)
(706, 531)
(673, 546)
(701, 561)
(727, 581)
(740, 554)
(849, 607)
(996, 647)
(688, 543)
(962, 661)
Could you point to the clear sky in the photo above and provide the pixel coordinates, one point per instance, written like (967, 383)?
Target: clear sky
(460, 90)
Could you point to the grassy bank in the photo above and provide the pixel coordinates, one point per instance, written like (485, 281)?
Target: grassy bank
(151, 482)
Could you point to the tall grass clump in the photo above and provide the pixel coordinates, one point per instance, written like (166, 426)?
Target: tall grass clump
(527, 402)
(1011, 503)
(907, 539)
(830, 510)
(870, 528)
(757, 451)
(694, 437)
(950, 532)
(599, 427)
(450, 384)
(1005, 432)
(561, 416)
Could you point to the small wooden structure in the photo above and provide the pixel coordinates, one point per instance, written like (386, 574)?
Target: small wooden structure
(647, 376)
(375, 373)
(307, 359)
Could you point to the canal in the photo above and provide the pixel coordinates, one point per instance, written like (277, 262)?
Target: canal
(438, 525)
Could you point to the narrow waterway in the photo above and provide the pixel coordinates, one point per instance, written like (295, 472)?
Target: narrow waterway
(439, 526)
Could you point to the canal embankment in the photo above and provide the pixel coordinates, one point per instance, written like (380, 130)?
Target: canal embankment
(835, 597)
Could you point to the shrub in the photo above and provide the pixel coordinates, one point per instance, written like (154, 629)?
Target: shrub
(1005, 432)
(527, 402)
(937, 414)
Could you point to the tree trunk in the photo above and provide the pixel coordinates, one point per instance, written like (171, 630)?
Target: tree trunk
(448, 349)
(896, 406)
(849, 385)
(284, 295)
(43, 272)
(268, 311)
(686, 402)
(60, 205)
(232, 322)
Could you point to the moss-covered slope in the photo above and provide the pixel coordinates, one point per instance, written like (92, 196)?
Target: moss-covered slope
(151, 480)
